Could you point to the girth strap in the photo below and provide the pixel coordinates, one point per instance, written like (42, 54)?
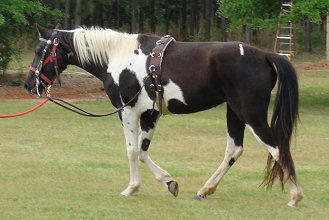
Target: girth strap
(156, 58)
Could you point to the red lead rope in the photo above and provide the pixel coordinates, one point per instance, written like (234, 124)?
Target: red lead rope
(28, 111)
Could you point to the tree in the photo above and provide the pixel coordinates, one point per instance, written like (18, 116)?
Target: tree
(17, 17)
(260, 15)
(310, 11)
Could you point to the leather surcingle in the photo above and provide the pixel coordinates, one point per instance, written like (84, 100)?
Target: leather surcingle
(156, 58)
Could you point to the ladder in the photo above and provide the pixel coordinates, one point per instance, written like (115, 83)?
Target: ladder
(284, 39)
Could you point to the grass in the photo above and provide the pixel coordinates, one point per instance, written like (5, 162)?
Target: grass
(56, 165)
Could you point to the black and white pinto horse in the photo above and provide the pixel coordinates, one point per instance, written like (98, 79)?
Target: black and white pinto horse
(195, 77)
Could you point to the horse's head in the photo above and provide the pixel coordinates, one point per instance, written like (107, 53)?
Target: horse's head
(50, 59)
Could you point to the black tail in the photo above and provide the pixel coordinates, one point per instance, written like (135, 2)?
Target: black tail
(284, 119)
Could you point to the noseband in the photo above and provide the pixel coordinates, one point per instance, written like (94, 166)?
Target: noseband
(52, 58)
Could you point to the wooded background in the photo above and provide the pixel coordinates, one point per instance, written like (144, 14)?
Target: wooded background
(250, 21)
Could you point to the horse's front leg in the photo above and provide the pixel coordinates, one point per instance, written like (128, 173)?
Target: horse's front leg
(130, 127)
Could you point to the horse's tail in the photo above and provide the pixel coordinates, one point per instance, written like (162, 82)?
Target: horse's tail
(284, 119)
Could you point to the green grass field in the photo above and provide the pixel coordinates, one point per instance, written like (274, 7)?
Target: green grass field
(57, 165)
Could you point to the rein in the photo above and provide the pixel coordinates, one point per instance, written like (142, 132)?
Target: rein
(71, 107)
(28, 111)
(77, 110)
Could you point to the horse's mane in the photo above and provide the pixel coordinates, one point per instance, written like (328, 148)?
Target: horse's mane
(98, 45)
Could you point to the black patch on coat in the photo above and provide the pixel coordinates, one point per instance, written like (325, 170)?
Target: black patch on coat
(232, 161)
(147, 42)
(136, 52)
(112, 91)
(128, 86)
(235, 127)
(148, 119)
(145, 144)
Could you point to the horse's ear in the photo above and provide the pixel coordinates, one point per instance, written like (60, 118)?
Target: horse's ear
(43, 32)
(58, 26)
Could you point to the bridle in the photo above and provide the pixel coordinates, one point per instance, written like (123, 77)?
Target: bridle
(52, 58)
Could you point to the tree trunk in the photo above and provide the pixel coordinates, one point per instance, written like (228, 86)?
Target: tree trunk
(167, 18)
(141, 19)
(77, 18)
(152, 17)
(118, 14)
(308, 38)
(207, 19)
(109, 15)
(204, 9)
(184, 28)
(248, 34)
(175, 13)
(328, 37)
(133, 17)
(67, 14)
(223, 29)
(96, 14)
(193, 17)
(323, 24)
(56, 7)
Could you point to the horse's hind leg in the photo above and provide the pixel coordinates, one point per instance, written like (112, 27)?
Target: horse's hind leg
(147, 126)
(235, 132)
(262, 132)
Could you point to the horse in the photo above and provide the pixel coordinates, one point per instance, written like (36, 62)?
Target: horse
(195, 76)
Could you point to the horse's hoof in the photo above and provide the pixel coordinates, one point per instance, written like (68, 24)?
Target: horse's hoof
(130, 191)
(173, 187)
(196, 197)
(292, 205)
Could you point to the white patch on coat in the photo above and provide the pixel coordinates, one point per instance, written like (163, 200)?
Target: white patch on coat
(173, 91)
(232, 150)
(241, 50)
(274, 151)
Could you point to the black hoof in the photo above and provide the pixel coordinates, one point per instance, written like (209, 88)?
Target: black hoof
(196, 197)
(173, 187)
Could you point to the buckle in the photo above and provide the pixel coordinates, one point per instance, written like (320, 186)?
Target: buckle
(152, 68)
(56, 42)
(154, 54)
(159, 42)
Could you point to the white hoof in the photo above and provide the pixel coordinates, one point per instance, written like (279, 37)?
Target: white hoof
(130, 191)
(292, 204)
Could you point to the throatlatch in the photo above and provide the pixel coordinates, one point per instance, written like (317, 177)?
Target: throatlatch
(156, 58)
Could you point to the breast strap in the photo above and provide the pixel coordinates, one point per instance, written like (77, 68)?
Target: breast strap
(156, 58)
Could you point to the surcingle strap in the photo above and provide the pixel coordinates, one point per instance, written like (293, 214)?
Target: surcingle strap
(156, 58)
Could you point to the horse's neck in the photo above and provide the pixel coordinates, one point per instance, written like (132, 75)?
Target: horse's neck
(120, 46)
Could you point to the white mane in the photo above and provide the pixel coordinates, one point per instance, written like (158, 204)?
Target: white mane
(97, 45)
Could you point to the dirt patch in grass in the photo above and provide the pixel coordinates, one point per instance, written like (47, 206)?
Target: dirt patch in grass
(306, 66)
(86, 87)
(74, 86)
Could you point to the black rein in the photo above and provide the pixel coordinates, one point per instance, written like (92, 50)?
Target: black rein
(77, 110)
